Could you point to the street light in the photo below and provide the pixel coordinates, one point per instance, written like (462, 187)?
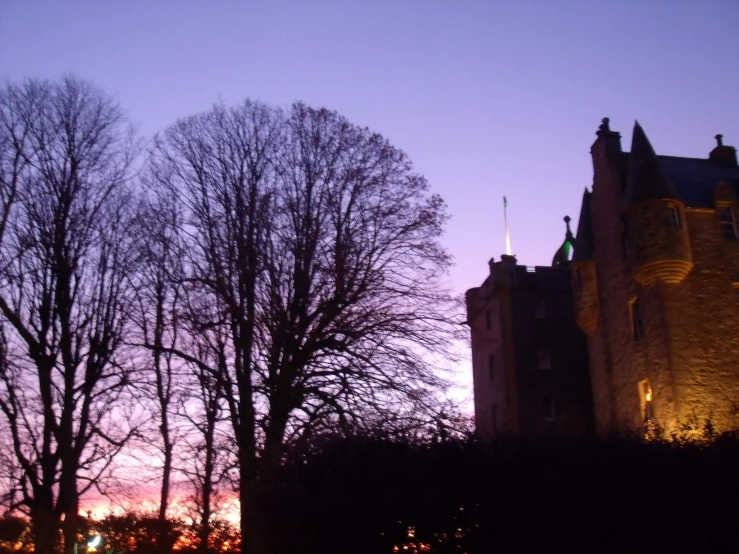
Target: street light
(91, 544)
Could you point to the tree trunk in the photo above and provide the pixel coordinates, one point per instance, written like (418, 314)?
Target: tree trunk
(204, 534)
(45, 527)
(163, 539)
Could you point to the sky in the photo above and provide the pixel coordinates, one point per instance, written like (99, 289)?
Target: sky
(488, 98)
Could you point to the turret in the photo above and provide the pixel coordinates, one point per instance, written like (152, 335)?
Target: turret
(562, 256)
(654, 218)
(582, 268)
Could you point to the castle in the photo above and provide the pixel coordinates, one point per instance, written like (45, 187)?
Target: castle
(655, 277)
(655, 286)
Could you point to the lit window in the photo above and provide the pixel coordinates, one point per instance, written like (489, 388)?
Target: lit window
(547, 409)
(636, 322)
(727, 221)
(541, 310)
(675, 220)
(646, 397)
(488, 320)
(545, 361)
(491, 366)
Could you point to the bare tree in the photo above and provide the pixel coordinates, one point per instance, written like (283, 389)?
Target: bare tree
(158, 286)
(206, 456)
(319, 245)
(220, 165)
(65, 259)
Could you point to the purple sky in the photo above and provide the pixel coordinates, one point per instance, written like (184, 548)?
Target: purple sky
(488, 98)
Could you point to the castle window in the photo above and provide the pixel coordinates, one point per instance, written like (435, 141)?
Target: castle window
(576, 279)
(625, 241)
(547, 409)
(540, 312)
(637, 326)
(645, 397)
(488, 320)
(728, 222)
(491, 366)
(545, 359)
(675, 220)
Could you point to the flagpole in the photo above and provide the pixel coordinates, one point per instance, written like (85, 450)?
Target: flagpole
(508, 249)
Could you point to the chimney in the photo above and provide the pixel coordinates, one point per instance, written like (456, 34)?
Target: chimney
(723, 155)
(509, 261)
(608, 142)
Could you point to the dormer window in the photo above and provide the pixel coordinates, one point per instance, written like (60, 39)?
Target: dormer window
(728, 222)
(675, 219)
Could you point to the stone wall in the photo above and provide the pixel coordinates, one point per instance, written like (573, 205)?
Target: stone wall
(690, 345)
(489, 394)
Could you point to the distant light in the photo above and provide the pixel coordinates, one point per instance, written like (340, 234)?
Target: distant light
(94, 541)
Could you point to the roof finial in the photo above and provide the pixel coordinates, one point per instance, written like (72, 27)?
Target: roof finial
(604, 124)
(567, 222)
(720, 139)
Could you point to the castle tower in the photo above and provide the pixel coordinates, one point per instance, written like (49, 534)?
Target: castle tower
(654, 218)
(655, 277)
(584, 280)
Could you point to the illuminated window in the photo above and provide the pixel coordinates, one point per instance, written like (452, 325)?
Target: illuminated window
(675, 219)
(488, 320)
(491, 366)
(547, 409)
(545, 360)
(637, 326)
(540, 312)
(728, 222)
(646, 397)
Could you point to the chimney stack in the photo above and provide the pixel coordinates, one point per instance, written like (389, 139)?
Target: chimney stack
(723, 155)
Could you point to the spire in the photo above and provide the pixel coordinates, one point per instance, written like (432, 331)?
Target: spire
(647, 179)
(584, 240)
(562, 257)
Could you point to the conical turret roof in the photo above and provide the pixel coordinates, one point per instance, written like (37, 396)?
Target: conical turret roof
(562, 256)
(647, 179)
(584, 240)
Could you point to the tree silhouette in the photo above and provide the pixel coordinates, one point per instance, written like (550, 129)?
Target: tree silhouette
(318, 244)
(65, 258)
